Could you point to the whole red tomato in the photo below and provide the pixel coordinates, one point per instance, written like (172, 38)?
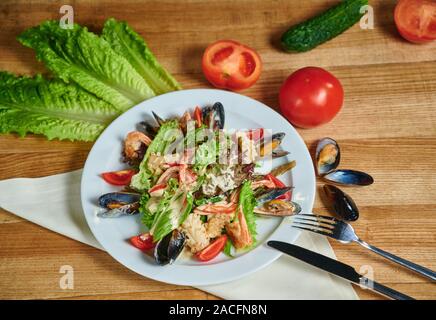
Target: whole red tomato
(416, 20)
(310, 97)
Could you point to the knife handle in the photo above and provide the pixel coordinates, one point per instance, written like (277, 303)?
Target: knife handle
(386, 291)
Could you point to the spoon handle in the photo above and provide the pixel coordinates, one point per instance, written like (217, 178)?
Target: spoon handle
(405, 263)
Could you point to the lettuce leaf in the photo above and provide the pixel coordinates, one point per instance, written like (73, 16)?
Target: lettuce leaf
(144, 179)
(173, 209)
(228, 249)
(132, 46)
(52, 108)
(77, 55)
(247, 201)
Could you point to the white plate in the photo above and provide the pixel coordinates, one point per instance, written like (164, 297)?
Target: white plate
(241, 112)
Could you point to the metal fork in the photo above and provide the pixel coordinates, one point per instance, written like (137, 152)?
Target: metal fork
(342, 231)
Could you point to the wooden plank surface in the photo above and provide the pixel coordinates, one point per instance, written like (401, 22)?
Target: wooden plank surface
(387, 128)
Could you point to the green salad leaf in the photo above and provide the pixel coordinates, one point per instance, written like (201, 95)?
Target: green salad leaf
(247, 202)
(147, 215)
(77, 55)
(144, 179)
(228, 248)
(52, 108)
(132, 46)
(173, 209)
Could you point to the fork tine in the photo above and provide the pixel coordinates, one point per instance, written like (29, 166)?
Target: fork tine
(315, 223)
(317, 216)
(313, 230)
(312, 217)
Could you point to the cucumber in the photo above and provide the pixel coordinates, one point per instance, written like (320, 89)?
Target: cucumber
(317, 30)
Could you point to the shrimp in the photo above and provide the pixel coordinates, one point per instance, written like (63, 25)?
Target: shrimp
(135, 145)
(238, 231)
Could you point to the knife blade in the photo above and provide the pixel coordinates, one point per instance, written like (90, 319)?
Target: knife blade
(335, 267)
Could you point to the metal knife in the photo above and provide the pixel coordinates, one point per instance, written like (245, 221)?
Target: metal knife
(335, 267)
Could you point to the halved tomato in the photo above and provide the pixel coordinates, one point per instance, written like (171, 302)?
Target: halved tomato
(212, 250)
(416, 20)
(255, 134)
(227, 64)
(143, 241)
(118, 178)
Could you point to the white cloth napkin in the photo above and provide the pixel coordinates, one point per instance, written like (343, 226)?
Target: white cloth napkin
(286, 278)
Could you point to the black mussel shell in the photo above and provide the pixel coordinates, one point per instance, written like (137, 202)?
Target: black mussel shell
(148, 129)
(158, 119)
(169, 247)
(214, 116)
(342, 204)
(117, 198)
(349, 177)
(271, 194)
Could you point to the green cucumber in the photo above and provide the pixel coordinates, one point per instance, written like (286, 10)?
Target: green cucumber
(317, 30)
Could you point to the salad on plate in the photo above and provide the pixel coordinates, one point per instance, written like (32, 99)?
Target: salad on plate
(197, 186)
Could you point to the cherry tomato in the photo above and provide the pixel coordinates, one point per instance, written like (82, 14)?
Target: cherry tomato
(118, 178)
(227, 64)
(143, 241)
(198, 116)
(255, 134)
(212, 250)
(310, 97)
(279, 184)
(416, 20)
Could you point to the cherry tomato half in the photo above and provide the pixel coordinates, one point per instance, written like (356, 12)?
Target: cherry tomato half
(416, 20)
(198, 116)
(227, 64)
(118, 178)
(279, 184)
(255, 134)
(143, 241)
(310, 97)
(212, 250)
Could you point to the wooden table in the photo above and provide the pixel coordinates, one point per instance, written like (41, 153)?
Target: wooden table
(387, 128)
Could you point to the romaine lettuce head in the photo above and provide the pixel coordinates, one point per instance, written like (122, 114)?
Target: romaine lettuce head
(81, 56)
(132, 46)
(52, 108)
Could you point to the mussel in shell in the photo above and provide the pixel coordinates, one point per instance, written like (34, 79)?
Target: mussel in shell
(268, 204)
(268, 146)
(119, 204)
(328, 156)
(214, 116)
(342, 204)
(148, 129)
(169, 247)
(279, 208)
